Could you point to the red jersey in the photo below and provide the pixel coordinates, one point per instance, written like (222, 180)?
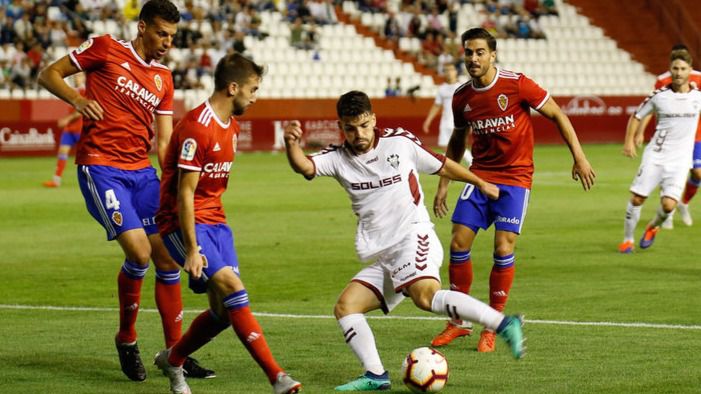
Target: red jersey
(200, 142)
(665, 79)
(129, 91)
(77, 125)
(500, 120)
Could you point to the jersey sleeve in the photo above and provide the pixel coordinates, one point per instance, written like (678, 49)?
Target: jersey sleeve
(92, 53)
(532, 93)
(645, 108)
(192, 146)
(427, 161)
(165, 107)
(325, 161)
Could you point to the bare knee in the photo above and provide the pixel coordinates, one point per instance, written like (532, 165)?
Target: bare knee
(422, 293)
(637, 200)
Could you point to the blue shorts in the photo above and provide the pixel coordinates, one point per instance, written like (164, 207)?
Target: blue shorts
(697, 154)
(121, 200)
(476, 211)
(69, 138)
(216, 243)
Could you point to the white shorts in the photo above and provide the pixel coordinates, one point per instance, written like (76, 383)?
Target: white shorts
(418, 256)
(671, 180)
(444, 134)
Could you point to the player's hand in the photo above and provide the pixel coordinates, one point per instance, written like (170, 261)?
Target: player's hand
(293, 132)
(638, 139)
(425, 127)
(89, 108)
(630, 150)
(193, 265)
(440, 207)
(583, 172)
(490, 190)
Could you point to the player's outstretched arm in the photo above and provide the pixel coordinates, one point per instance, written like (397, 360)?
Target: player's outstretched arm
(299, 162)
(457, 172)
(51, 78)
(629, 142)
(187, 183)
(435, 109)
(581, 170)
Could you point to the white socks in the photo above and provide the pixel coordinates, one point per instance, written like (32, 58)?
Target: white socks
(359, 337)
(459, 306)
(660, 217)
(632, 218)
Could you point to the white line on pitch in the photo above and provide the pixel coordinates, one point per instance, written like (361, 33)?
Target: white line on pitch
(294, 316)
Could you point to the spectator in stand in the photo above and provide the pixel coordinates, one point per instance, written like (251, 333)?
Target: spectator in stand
(23, 27)
(57, 33)
(431, 48)
(415, 28)
(131, 9)
(36, 56)
(205, 63)
(239, 44)
(7, 31)
(434, 22)
(392, 30)
(21, 72)
(453, 10)
(322, 12)
(549, 7)
(390, 90)
(15, 9)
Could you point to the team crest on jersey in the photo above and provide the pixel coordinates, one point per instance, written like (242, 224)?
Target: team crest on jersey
(189, 148)
(502, 101)
(393, 160)
(234, 142)
(83, 47)
(117, 218)
(159, 82)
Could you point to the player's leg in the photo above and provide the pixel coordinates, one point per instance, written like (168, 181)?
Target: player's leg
(108, 198)
(508, 214)
(427, 295)
(671, 186)
(68, 139)
(469, 216)
(692, 186)
(365, 293)
(635, 205)
(648, 177)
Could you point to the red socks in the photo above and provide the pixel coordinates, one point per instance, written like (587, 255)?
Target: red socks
(129, 282)
(202, 330)
(251, 335)
(170, 304)
(460, 271)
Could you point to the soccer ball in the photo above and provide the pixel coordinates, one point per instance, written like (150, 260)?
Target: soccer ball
(425, 370)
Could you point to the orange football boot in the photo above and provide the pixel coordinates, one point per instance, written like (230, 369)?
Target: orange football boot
(451, 332)
(487, 341)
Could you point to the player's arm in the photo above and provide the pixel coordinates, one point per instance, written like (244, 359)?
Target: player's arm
(187, 183)
(51, 78)
(630, 143)
(435, 109)
(581, 170)
(454, 152)
(454, 171)
(68, 119)
(164, 129)
(299, 162)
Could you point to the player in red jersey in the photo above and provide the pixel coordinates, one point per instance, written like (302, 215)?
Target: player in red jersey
(127, 91)
(495, 106)
(192, 222)
(694, 181)
(70, 126)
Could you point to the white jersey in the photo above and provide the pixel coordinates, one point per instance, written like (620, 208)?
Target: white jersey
(444, 98)
(677, 119)
(383, 185)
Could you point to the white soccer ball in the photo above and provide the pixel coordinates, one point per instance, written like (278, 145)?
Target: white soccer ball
(425, 370)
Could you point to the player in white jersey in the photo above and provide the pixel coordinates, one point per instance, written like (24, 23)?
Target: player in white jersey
(668, 156)
(380, 172)
(444, 105)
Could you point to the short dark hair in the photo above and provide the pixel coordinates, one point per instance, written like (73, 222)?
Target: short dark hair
(679, 46)
(681, 54)
(352, 104)
(235, 68)
(479, 33)
(163, 9)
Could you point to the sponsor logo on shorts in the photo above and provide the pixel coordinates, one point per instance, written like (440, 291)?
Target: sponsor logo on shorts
(513, 220)
(189, 148)
(397, 270)
(117, 218)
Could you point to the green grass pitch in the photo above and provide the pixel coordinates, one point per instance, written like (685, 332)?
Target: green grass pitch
(295, 244)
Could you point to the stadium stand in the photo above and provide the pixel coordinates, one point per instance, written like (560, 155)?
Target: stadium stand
(567, 54)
